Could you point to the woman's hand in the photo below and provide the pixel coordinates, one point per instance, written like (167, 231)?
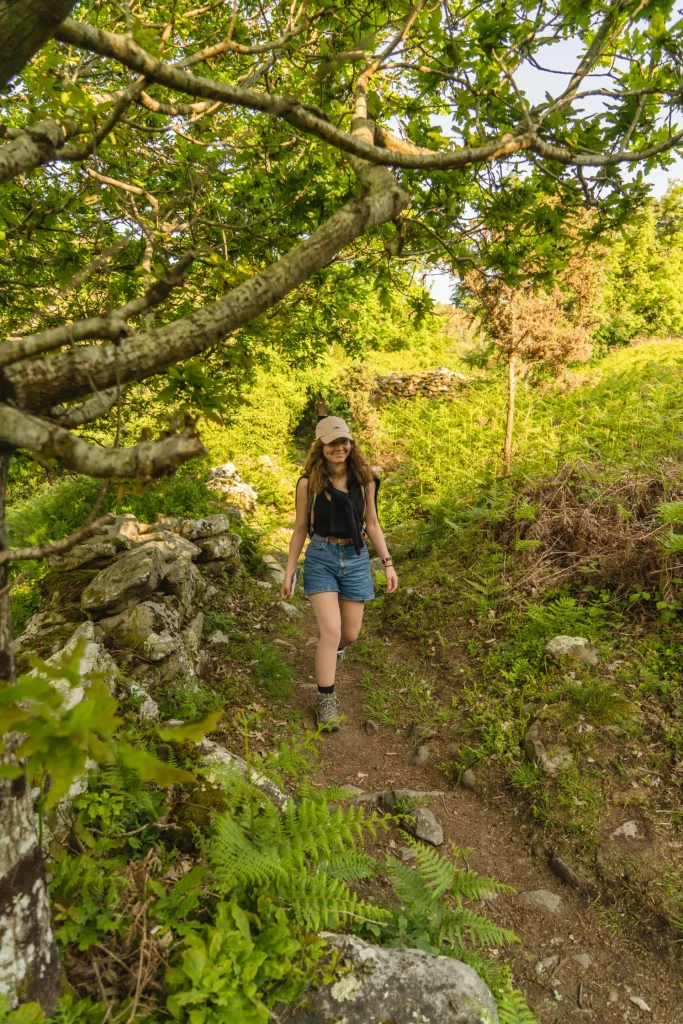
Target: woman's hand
(392, 579)
(287, 585)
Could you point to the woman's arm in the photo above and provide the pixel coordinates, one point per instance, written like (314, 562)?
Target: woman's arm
(298, 537)
(374, 532)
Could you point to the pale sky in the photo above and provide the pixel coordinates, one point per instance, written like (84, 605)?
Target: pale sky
(560, 57)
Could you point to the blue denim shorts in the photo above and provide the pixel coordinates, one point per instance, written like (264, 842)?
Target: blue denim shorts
(337, 568)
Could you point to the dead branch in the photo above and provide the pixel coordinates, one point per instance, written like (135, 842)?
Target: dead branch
(58, 547)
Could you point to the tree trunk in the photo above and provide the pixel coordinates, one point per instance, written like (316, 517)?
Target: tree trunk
(25, 25)
(29, 962)
(512, 387)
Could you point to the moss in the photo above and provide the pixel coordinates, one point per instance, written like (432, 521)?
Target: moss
(67, 586)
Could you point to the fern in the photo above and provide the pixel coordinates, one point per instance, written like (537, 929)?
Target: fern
(513, 1009)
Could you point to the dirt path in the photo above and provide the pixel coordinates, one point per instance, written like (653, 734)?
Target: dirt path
(568, 963)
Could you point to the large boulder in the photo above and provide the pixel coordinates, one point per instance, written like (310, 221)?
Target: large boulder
(150, 629)
(404, 986)
(91, 553)
(221, 546)
(181, 581)
(209, 526)
(170, 546)
(94, 659)
(228, 480)
(218, 761)
(127, 581)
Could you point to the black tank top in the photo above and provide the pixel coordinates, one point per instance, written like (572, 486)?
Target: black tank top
(321, 509)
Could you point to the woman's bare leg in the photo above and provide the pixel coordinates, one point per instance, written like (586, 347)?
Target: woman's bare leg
(327, 612)
(351, 620)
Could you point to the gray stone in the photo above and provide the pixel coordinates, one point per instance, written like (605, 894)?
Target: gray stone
(130, 579)
(219, 637)
(420, 734)
(640, 1003)
(209, 526)
(613, 996)
(178, 665)
(263, 584)
(94, 660)
(423, 825)
(629, 830)
(149, 709)
(290, 610)
(124, 531)
(224, 545)
(562, 870)
(469, 781)
(552, 760)
(566, 650)
(227, 480)
(404, 986)
(274, 569)
(548, 964)
(407, 853)
(370, 726)
(583, 960)
(181, 581)
(542, 899)
(217, 761)
(90, 553)
(169, 545)
(419, 755)
(192, 635)
(151, 629)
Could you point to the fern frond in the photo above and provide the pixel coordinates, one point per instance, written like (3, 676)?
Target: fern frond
(349, 866)
(409, 886)
(480, 931)
(513, 1009)
(436, 872)
(467, 884)
(320, 902)
(236, 861)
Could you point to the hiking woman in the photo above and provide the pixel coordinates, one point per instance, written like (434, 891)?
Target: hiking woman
(336, 507)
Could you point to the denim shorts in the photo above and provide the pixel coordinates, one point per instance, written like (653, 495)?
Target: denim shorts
(337, 568)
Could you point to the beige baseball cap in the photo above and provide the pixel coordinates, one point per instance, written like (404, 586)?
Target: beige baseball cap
(330, 428)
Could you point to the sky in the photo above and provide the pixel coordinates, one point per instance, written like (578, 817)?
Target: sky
(558, 58)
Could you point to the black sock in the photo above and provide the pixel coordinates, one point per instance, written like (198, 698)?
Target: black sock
(326, 689)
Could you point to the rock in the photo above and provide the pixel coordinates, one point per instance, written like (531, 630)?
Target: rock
(407, 853)
(228, 480)
(583, 960)
(566, 874)
(149, 709)
(222, 546)
(393, 799)
(370, 726)
(629, 830)
(219, 637)
(264, 584)
(290, 610)
(127, 581)
(550, 761)
(192, 635)
(124, 531)
(209, 526)
(169, 545)
(420, 734)
(469, 781)
(419, 755)
(640, 1003)
(178, 665)
(217, 760)
(181, 581)
(542, 899)
(94, 660)
(404, 986)
(572, 650)
(548, 964)
(423, 825)
(613, 996)
(274, 569)
(90, 553)
(151, 629)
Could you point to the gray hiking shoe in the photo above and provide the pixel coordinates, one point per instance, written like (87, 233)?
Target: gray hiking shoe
(327, 712)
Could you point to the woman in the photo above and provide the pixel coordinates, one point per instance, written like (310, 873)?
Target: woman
(336, 506)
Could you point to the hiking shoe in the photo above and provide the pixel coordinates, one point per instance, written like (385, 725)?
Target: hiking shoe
(327, 712)
(341, 654)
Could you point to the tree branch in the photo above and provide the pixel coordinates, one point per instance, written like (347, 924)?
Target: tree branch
(31, 148)
(42, 383)
(142, 461)
(108, 325)
(59, 547)
(92, 409)
(24, 28)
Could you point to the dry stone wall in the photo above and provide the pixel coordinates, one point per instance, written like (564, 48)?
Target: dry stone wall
(132, 598)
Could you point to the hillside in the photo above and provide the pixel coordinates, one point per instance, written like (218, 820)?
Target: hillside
(554, 776)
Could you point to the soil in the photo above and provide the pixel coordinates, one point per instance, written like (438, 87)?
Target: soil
(622, 965)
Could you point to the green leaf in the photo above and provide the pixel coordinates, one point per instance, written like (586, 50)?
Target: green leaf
(150, 768)
(194, 731)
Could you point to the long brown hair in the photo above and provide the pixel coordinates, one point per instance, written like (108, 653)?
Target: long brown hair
(315, 467)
